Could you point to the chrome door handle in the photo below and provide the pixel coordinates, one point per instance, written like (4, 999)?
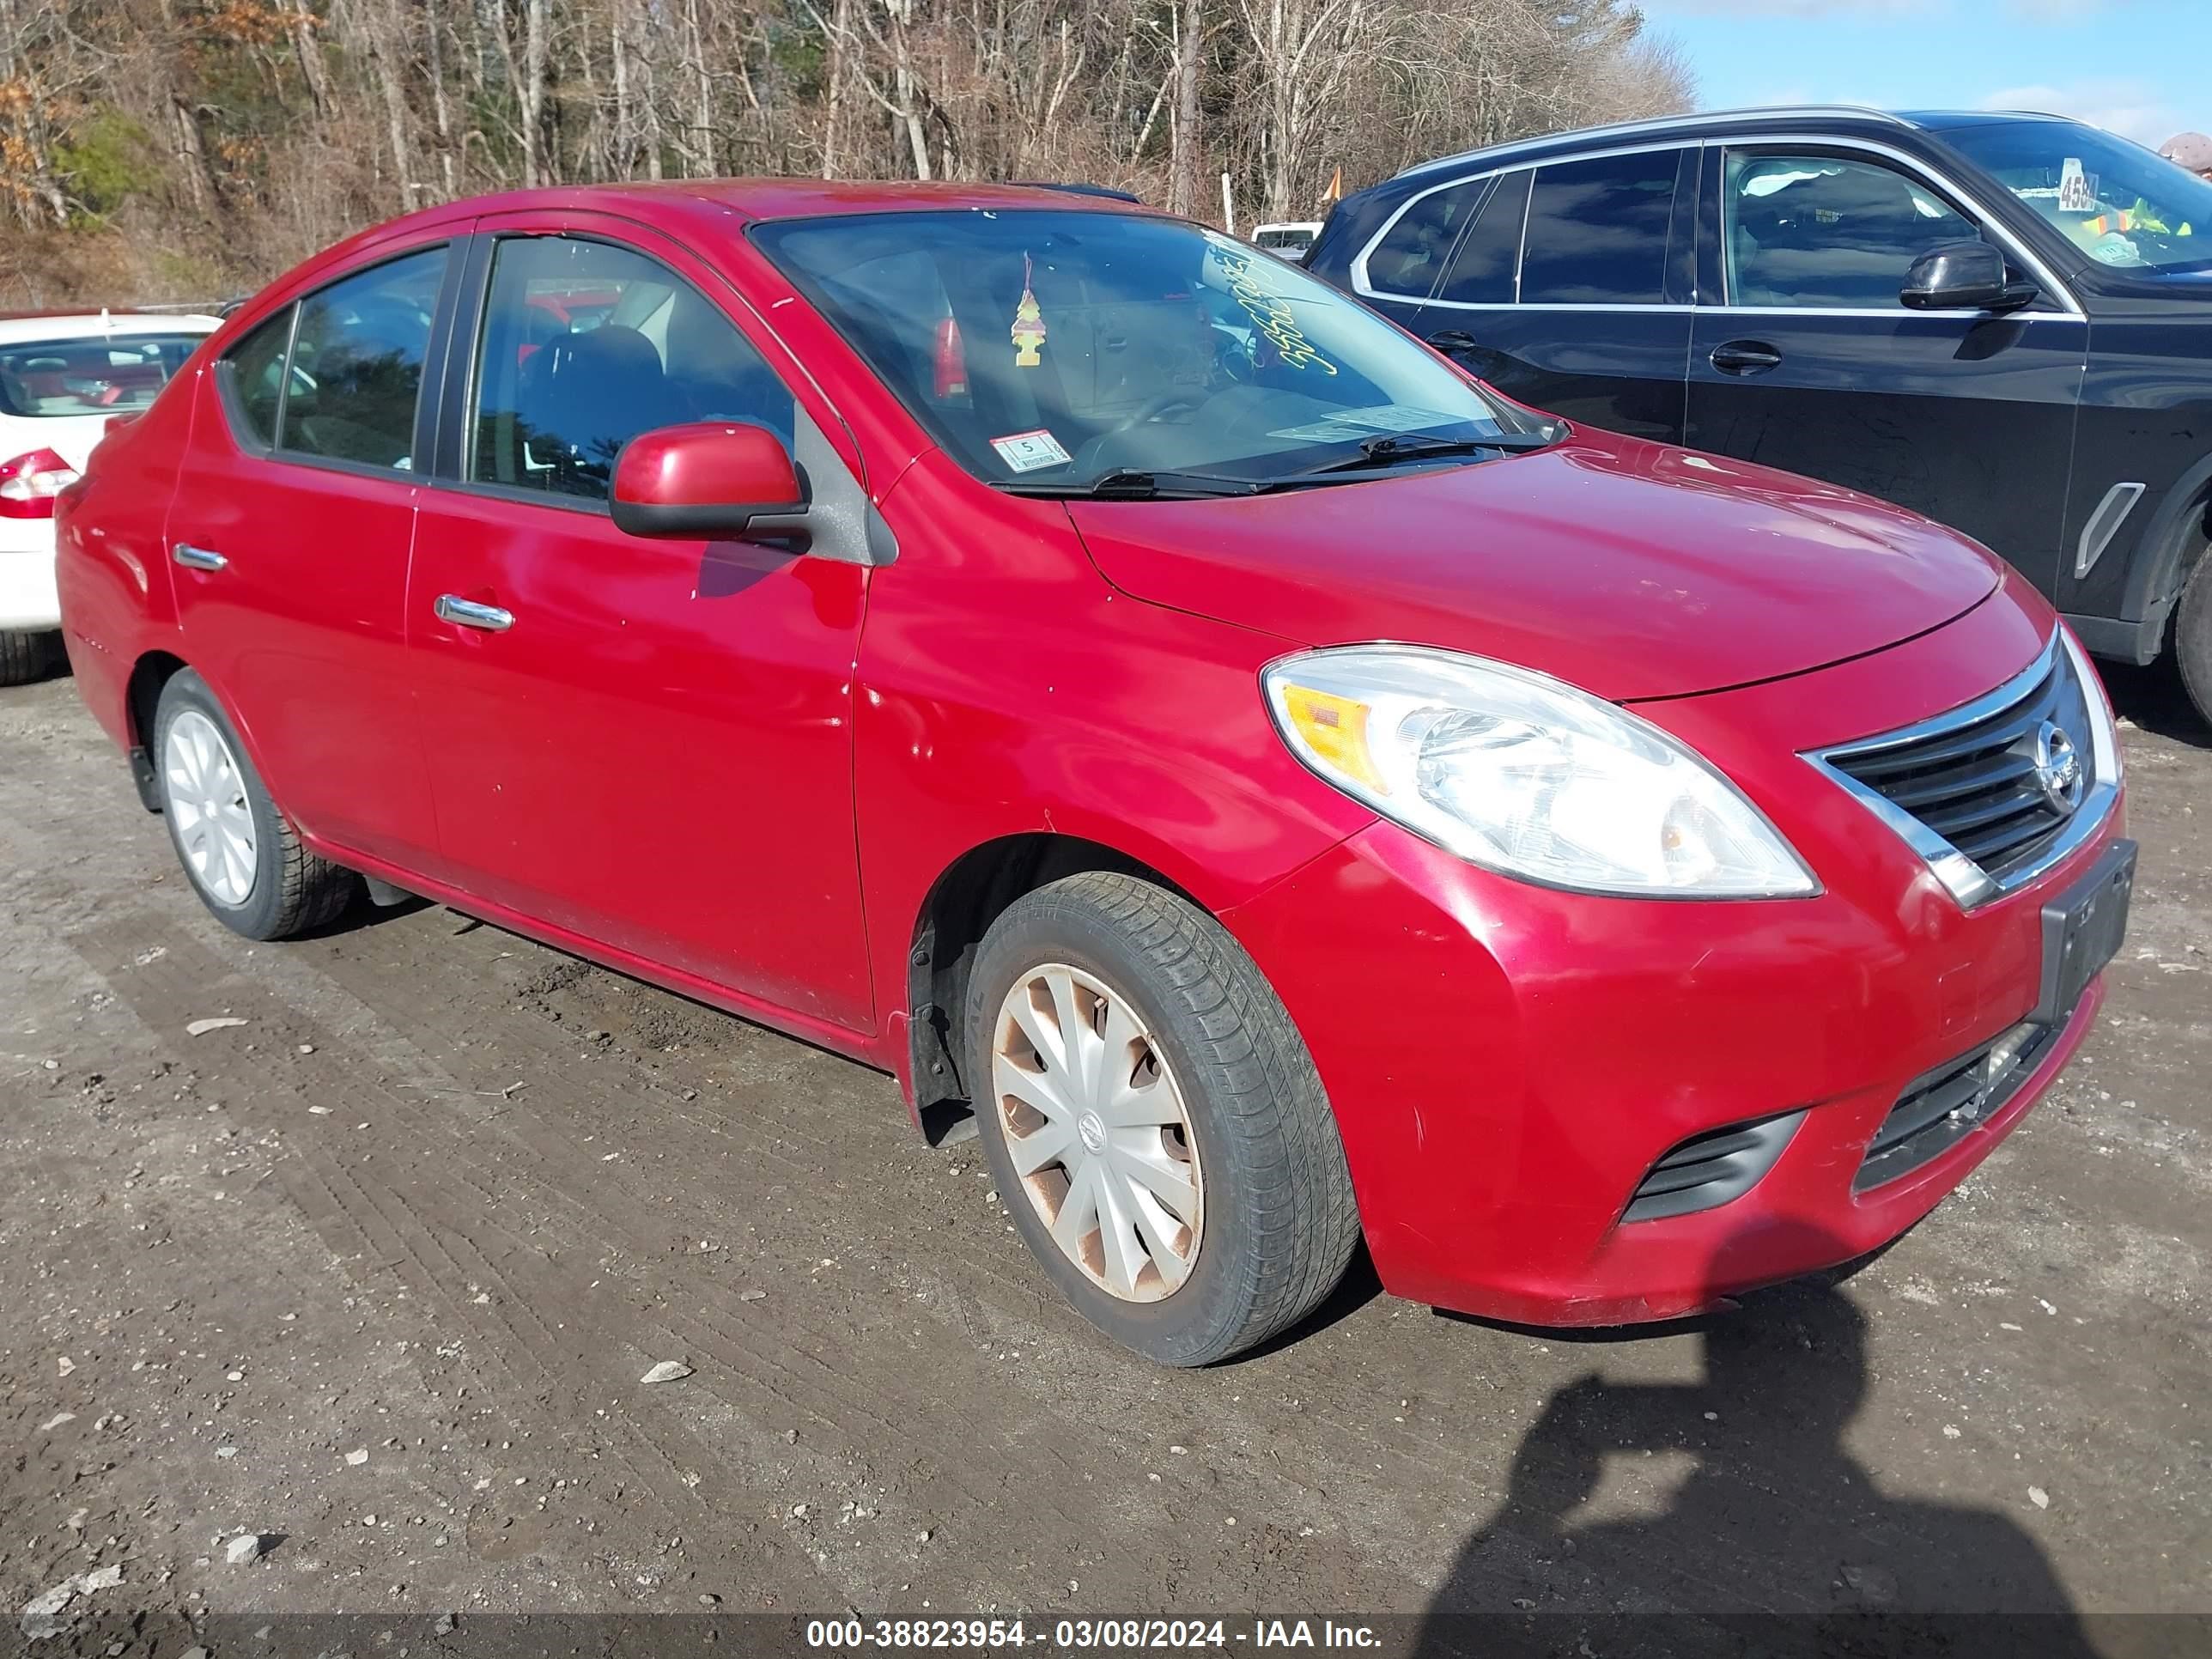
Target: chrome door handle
(198, 558)
(467, 613)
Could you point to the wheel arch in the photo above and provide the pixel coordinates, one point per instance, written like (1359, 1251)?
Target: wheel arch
(2167, 551)
(141, 696)
(968, 896)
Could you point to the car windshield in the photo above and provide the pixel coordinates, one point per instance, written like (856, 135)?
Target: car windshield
(2120, 204)
(1058, 348)
(102, 374)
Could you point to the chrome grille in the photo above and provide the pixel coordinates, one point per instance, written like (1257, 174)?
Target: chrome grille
(1979, 790)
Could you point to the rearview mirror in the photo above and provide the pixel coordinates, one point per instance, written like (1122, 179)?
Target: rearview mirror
(1963, 276)
(703, 479)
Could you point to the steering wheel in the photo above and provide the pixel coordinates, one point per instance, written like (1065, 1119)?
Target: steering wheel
(1153, 408)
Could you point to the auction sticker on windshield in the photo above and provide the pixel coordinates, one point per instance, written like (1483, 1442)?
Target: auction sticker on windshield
(1363, 423)
(1025, 451)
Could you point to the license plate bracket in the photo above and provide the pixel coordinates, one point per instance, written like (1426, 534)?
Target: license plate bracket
(2083, 930)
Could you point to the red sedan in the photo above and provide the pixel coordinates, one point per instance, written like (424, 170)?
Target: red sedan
(1086, 667)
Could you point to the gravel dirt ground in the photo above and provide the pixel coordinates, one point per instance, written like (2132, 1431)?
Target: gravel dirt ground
(373, 1273)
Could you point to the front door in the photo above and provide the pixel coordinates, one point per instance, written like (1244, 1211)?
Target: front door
(1812, 365)
(643, 743)
(289, 534)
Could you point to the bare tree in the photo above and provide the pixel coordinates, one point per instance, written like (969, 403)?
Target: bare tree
(235, 135)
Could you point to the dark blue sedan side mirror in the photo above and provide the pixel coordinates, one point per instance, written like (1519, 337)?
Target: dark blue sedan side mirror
(1963, 276)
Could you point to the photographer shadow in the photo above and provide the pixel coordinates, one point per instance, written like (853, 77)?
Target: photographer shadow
(1777, 1541)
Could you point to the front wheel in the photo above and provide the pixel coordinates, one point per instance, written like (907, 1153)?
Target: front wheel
(243, 859)
(2192, 637)
(1155, 1126)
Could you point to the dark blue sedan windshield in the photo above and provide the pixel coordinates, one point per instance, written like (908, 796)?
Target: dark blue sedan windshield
(2123, 206)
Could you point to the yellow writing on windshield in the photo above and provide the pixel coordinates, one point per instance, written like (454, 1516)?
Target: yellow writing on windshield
(1271, 315)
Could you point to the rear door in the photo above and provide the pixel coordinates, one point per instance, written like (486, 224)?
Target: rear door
(289, 534)
(1805, 359)
(1568, 287)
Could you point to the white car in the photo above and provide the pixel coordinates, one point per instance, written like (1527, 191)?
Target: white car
(62, 378)
(1288, 240)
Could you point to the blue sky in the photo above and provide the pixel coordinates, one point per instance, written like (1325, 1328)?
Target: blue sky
(2142, 68)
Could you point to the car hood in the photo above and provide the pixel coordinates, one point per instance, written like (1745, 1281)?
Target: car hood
(1628, 568)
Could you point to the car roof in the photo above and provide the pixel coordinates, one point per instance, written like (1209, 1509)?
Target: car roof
(752, 201)
(1689, 127)
(1945, 120)
(18, 327)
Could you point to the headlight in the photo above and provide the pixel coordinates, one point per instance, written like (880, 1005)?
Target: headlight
(1526, 775)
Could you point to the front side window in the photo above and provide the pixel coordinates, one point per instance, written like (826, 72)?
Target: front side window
(1597, 231)
(2119, 204)
(1060, 347)
(586, 344)
(98, 374)
(356, 365)
(1823, 231)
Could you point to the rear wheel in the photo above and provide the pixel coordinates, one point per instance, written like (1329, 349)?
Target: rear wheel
(2192, 637)
(1156, 1128)
(24, 657)
(242, 857)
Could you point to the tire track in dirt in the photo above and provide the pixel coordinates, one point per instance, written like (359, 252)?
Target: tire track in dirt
(402, 1219)
(399, 1219)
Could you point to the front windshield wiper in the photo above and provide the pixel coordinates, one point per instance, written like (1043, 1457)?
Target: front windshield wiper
(1394, 448)
(1128, 484)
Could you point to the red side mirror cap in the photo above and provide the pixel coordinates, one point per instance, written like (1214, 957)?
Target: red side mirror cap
(703, 479)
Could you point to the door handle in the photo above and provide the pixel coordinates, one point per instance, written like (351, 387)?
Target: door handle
(198, 558)
(467, 613)
(1745, 357)
(1450, 340)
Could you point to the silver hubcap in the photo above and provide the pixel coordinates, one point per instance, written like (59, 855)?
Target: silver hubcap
(1095, 1123)
(205, 793)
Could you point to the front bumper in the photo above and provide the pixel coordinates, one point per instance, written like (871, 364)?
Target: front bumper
(1507, 1063)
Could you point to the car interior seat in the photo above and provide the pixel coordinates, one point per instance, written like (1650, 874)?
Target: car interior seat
(587, 394)
(1840, 237)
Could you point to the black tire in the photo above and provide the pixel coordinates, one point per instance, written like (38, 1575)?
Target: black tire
(2192, 637)
(24, 657)
(1279, 1221)
(293, 889)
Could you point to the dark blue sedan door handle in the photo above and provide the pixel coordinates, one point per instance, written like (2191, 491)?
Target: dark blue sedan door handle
(1745, 357)
(1450, 340)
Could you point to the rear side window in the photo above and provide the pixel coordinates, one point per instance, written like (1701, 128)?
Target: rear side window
(585, 345)
(1411, 256)
(1597, 231)
(1822, 231)
(1485, 270)
(356, 364)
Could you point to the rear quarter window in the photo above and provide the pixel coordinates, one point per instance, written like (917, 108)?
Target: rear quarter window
(1411, 256)
(1486, 268)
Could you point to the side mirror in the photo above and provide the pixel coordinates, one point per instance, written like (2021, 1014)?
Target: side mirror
(1963, 276)
(703, 479)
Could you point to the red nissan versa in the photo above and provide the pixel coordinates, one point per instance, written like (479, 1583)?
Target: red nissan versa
(1294, 793)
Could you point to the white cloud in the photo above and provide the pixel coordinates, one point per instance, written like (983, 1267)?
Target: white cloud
(2113, 102)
